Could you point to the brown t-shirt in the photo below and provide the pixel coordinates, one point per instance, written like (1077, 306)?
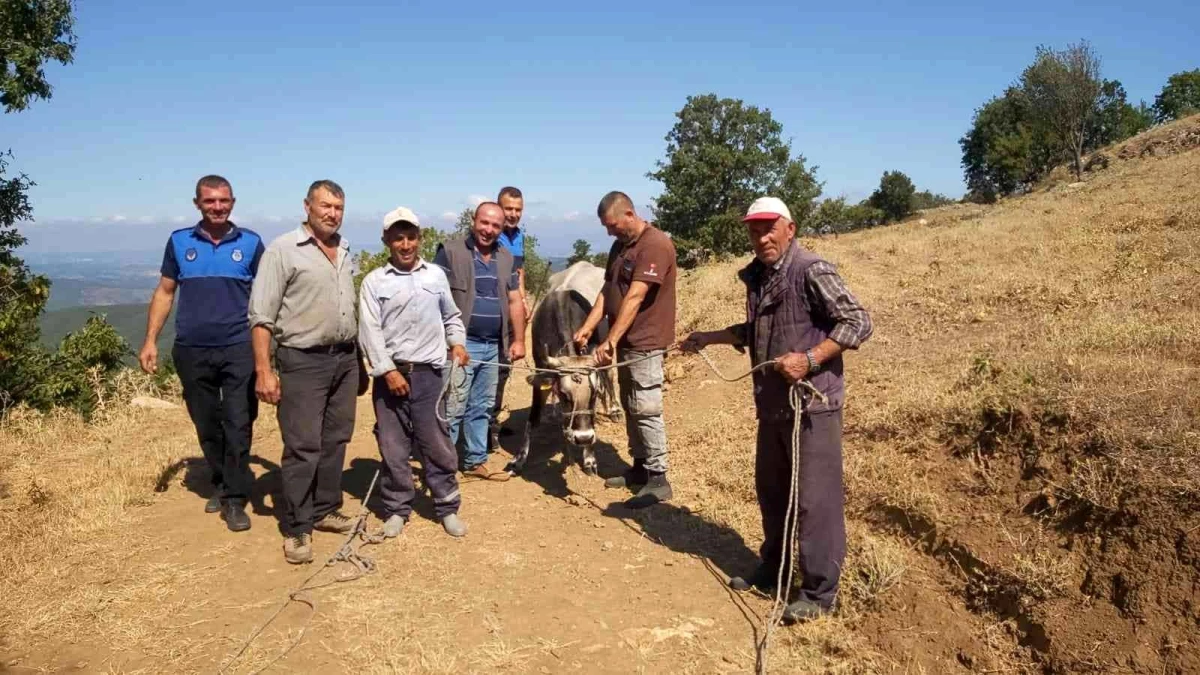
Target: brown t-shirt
(650, 259)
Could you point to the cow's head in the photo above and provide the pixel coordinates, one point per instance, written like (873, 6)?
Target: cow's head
(577, 387)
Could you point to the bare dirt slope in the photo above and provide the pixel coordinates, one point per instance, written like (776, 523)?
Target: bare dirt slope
(1020, 451)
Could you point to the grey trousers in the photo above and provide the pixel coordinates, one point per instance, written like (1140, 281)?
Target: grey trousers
(405, 425)
(642, 397)
(820, 502)
(316, 419)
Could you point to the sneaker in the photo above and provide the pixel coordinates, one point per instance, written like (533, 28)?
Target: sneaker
(634, 477)
(481, 471)
(213, 504)
(336, 522)
(762, 580)
(297, 549)
(234, 515)
(656, 490)
(454, 525)
(803, 610)
(393, 526)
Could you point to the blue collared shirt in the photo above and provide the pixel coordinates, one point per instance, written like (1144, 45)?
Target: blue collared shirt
(514, 241)
(407, 316)
(214, 280)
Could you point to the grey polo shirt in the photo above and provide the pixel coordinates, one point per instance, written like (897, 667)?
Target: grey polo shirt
(306, 300)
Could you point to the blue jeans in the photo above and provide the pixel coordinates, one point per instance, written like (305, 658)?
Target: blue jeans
(473, 391)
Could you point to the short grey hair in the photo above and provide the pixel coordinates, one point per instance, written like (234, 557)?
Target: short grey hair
(327, 185)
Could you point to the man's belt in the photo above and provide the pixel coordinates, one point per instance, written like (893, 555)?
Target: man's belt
(336, 348)
(405, 368)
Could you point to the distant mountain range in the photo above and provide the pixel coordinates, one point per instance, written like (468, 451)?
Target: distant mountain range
(118, 288)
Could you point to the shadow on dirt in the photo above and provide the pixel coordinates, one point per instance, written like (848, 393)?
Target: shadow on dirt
(675, 527)
(356, 480)
(197, 479)
(551, 457)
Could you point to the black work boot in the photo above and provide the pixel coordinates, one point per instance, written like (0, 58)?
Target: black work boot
(234, 515)
(656, 490)
(634, 477)
(764, 580)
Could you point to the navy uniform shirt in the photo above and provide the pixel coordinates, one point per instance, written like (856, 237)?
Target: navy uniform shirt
(514, 240)
(214, 282)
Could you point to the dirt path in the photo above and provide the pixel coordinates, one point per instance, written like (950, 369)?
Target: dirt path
(554, 576)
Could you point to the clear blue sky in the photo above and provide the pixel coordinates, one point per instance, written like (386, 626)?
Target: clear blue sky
(434, 105)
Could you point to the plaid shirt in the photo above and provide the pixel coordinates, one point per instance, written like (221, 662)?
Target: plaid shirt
(853, 323)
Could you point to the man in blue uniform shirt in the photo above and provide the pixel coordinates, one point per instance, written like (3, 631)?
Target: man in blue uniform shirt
(212, 265)
(512, 202)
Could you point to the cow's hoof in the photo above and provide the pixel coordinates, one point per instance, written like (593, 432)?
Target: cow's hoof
(590, 469)
(512, 469)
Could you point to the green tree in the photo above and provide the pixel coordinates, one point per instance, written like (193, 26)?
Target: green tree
(1180, 97)
(466, 220)
(1004, 151)
(721, 155)
(1115, 119)
(32, 32)
(928, 200)
(829, 217)
(1063, 91)
(580, 250)
(894, 196)
(537, 268)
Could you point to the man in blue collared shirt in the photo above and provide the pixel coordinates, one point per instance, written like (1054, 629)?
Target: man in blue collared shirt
(512, 237)
(407, 319)
(213, 265)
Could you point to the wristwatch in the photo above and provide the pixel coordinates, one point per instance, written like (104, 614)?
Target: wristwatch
(813, 366)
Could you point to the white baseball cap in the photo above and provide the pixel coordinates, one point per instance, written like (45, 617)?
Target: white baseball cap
(767, 208)
(400, 214)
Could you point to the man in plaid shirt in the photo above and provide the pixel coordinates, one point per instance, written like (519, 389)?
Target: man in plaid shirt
(799, 313)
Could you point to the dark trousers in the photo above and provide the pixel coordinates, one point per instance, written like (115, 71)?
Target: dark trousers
(408, 425)
(316, 419)
(218, 387)
(822, 524)
(502, 380)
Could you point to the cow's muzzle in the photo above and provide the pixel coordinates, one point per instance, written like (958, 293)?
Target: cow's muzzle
(580, 436)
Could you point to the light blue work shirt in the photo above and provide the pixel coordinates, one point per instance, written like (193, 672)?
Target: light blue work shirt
(407, 317)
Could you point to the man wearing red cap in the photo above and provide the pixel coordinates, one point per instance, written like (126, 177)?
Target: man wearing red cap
(800, 314)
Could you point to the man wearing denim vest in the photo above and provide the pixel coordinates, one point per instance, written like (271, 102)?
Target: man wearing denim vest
(800, 314)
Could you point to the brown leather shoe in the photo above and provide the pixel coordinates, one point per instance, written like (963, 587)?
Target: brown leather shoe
(336, 522)
(481, 472)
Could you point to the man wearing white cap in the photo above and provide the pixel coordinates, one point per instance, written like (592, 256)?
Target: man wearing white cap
(801, 315)
(407, 321)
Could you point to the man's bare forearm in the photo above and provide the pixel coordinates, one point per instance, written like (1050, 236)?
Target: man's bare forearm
(628, 311)
(594, 316)
(160, 309)
(260, 338)
(516, 312)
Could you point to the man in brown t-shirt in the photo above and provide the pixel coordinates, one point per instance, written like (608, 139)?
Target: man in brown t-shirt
(639, 300)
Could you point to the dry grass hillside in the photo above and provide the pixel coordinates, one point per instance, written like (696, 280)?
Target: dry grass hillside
(1028, 413)
(1021, 452)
